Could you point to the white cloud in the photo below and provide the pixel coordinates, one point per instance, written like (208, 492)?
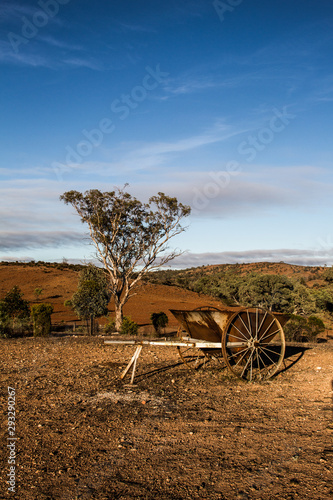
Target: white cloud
(290, 256)
(19, 240)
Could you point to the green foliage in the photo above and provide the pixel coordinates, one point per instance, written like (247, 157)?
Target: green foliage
(300, 329)
(128, 234)
(270, 291)
(159, 321)
(41, 319)
(91, 299)
(110, 327)
(38, 292)
(129, 327)
(324, 299)
(315, 326)
(328, 275)
(303, 300)
(14, 314)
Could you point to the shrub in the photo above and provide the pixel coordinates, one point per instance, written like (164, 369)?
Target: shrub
(159, 321)
(300, 329)
(110, 327)
(14, 314)
(128, 327)
(295, 330)
(41, 319)
(328, 275)
(38, 292)
(315, 327)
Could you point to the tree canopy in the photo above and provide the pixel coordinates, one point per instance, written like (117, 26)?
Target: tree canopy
(128, 235)
(91, 299)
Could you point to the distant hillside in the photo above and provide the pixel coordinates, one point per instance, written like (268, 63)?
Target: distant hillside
(59, 282)
(311, 275)
(304, 289)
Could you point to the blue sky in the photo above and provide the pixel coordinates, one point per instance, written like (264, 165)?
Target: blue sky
(227, 105)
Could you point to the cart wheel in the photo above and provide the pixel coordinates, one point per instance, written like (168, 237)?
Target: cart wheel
(192, 357)
(253, 344)
(180, 332)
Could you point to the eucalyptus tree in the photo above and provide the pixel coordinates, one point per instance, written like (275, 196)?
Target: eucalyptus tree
(131, 237)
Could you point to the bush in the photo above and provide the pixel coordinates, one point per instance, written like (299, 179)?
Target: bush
(110, 327)
(128, 327)
(315, 327)
(159, 321)
(41, 319)
(14, 314)
(300, 329)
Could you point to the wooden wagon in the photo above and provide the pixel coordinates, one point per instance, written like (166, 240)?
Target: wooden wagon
(249, 342)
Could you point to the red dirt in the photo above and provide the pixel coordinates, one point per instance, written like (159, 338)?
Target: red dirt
(83, 434)
(59, 285)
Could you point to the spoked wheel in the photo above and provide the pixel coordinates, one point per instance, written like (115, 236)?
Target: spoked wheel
(253, 345)
(192, 357)
(195, 358)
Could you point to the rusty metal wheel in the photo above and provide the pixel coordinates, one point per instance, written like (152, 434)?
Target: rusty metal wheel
(253, 344)
(192, 357)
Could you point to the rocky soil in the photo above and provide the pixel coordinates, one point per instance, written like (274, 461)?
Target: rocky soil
(82, 433)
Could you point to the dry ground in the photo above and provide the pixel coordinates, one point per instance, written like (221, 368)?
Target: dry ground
(84, 434)
(59, 285)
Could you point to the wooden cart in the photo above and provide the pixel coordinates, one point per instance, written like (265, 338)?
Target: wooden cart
(249, 342)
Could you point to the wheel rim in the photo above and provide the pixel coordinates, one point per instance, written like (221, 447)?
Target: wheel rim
(253, 344)
(192, 357)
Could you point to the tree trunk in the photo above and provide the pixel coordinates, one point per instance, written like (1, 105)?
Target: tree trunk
(119, 315)
(91, 332)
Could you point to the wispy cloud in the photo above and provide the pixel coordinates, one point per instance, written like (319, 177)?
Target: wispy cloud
(78, 62)
(19, 240)
(35, 55)
(23, 57)
(155, 154)
(290, 256)
(13, 11)
(62, 44)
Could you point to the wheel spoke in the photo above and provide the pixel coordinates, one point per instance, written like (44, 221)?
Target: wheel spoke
(262, 322)
(267, 329)
(240, 317)
(246, 365)
(192, 357)
(262, 361)
(237, 353)
(270, 334)
(266, 349)
(257, 313)
(241, 359)
(273, 362)
(244, 337)
(249, 322)
(263, 353)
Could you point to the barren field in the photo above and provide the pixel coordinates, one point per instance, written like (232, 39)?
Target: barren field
(176, 434)
(59, 285)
